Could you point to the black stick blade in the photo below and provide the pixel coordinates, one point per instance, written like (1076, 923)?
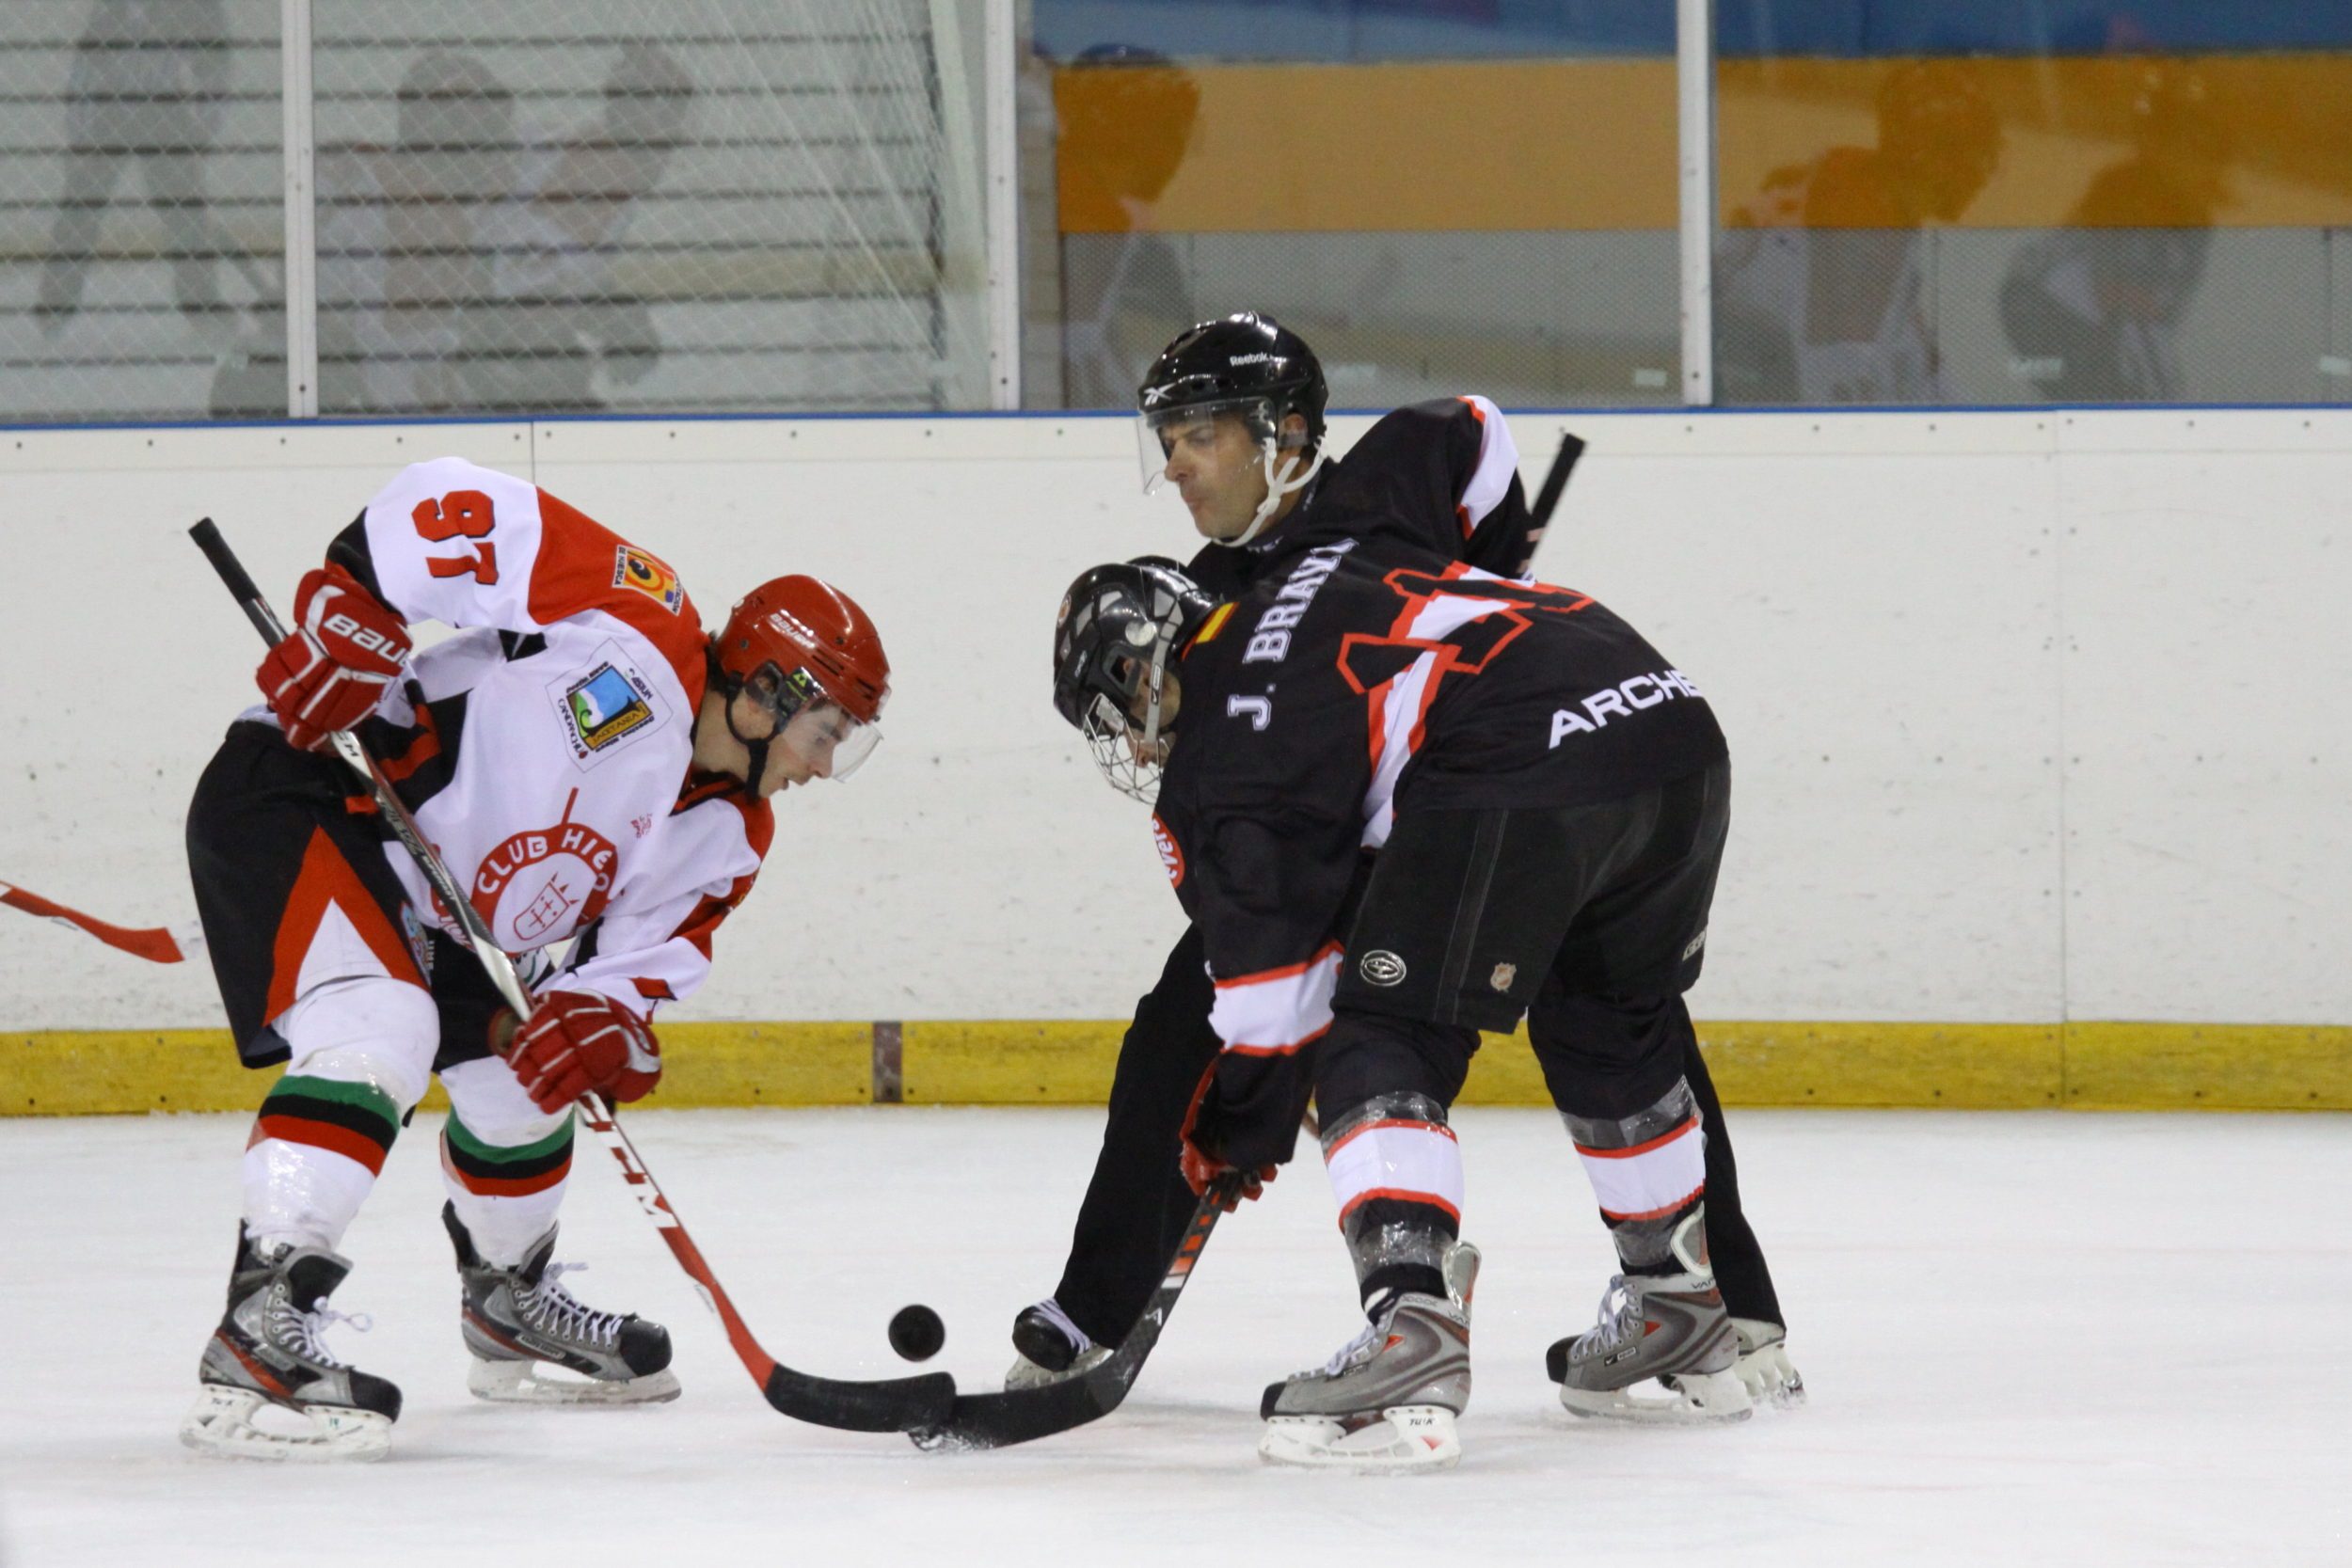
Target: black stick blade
(893, 1405)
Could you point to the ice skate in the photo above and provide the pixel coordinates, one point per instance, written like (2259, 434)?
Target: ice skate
(267, 1354)
(1764, 1368)
(1049, 1348)
(1388, 1399)
(1671, 1329)
(521, 1324)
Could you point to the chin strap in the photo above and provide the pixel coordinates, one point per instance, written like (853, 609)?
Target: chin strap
(1277, 486)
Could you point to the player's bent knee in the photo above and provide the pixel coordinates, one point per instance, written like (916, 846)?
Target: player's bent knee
(487, 1097)
(366, 1029)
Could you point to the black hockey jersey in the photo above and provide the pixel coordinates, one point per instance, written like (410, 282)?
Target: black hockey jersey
(1340, 690)
(1442, 477)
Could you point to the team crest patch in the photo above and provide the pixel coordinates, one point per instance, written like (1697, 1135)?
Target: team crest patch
(540, 886)
(633, 568)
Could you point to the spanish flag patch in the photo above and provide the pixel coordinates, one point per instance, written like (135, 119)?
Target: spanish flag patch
(1214, 623)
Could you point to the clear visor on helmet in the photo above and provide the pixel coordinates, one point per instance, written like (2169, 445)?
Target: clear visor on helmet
(1199, 429)
(794, 712)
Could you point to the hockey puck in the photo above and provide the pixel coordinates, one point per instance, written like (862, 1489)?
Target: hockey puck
(916, 1332)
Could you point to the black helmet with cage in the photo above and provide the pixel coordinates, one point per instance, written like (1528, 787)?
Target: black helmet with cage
(1120, 628)
(1250, 366)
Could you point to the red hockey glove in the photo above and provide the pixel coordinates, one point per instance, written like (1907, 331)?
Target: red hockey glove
(1200, 1161)
(344, 649)
(577, 1041)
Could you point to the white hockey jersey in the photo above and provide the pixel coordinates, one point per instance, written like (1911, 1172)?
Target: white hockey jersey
(546, 749)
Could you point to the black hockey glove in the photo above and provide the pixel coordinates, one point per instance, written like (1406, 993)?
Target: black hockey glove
(1245, 1116)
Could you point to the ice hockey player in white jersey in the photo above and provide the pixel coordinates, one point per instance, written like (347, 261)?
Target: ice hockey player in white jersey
(596, 769)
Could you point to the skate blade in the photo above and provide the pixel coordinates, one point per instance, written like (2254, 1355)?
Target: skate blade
(1402, 1439)
(535, 1383)
(1771, 1379)
(222, 1424)
(1693, 1398)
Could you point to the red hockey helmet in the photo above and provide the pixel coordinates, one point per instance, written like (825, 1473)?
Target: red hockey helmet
(813, 666)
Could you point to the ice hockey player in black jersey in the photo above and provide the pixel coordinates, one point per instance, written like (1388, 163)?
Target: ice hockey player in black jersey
(1548, 800)
(1232, 418)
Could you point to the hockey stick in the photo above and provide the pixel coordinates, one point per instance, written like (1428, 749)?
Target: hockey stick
(1023, 1414)
(160, 944)
(889, 1405)
(1555, 480)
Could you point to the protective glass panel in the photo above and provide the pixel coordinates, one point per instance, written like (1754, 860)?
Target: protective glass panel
(1440, 197)
(677, 205)
(140, 175)
(1940, 201)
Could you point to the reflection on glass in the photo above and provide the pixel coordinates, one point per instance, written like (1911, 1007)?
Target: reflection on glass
(560, 312)
(1124, 121)
(400, 250)
(1822, 277)
(143, 102)
(1443, 196)
(2094, 310)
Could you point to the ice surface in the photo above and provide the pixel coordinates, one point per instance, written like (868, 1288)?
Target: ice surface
(2037, 1338)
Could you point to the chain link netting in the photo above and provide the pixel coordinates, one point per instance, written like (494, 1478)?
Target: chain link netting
(140, 174)
(543, 206)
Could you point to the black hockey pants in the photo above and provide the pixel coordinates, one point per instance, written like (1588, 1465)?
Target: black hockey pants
(1136, 1204)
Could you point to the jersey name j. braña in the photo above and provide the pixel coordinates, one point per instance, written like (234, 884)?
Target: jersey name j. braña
(545, 747)
(1340, 690)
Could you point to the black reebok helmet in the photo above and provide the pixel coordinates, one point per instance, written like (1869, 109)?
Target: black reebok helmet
(1238, 360)
(1251, 367)
(1120, 628)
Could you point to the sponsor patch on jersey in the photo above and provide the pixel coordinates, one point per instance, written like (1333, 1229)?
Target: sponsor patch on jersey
(1381, 967)
(604, 706)
(633, 568)
(1171, 854)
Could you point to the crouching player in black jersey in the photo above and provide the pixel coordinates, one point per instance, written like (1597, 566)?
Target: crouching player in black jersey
(1232, 417)
(1548, 798)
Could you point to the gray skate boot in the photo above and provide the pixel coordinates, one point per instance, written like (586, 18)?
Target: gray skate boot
(1388, 1399)
(521, 1320)
(267, 1352)
(1671, 1327)
(1049, 1348)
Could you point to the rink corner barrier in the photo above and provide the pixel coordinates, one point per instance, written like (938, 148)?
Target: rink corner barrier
(2092, 1065)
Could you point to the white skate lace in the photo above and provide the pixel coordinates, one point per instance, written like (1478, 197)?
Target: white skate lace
(1051, 1311)
(301, 1331)
(1349, 1352)
(557, 1310)
(1620, 1312)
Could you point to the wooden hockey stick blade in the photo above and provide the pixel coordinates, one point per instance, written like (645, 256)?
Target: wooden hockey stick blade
(1556, 478)
(1024, 1415)
(155, 943)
